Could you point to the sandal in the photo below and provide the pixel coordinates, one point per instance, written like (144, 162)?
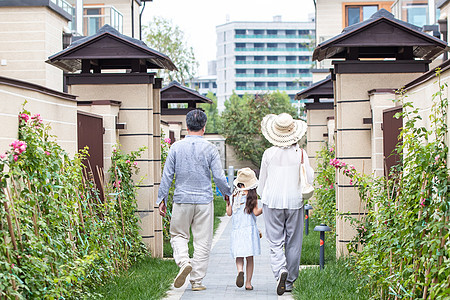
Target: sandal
(240, 279)
(249, 288)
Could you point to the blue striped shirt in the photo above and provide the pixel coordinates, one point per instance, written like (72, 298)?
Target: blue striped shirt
(192, 160)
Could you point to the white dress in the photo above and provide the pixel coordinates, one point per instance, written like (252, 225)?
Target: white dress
(244, 235)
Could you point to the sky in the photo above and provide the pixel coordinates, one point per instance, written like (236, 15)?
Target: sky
(198, 18)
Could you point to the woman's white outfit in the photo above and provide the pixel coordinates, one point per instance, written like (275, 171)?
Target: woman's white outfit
(281, 195)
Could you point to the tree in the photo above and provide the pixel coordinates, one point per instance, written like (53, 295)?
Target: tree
(167, 38)
(241, 122)
(214, 120)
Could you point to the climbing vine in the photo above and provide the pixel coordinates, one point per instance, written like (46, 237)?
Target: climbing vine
(58, 237)
(405, 236)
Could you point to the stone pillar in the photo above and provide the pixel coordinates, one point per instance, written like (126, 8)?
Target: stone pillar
(355, 134)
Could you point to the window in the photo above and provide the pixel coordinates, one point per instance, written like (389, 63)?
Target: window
(224, 36)
(272, 32)
(272, 58)
(258, 58)
(290, 58)
(205, 85)
(291, 71)
(416, 13)
(259, 45)
(272, 71)
(272, 84)
(240, 58)
(241, 84)
(214, 85)
(290, 32)
(258, 32)
(291, 45)
(272, 45)
(241, 71)
(240, 31)
(259, 84)
(357, 13)
(240, 45)
(259, 71)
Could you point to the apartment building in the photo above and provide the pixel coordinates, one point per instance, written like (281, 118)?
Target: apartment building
(260, 57)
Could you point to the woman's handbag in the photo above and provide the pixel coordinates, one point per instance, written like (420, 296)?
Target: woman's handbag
(307, 189)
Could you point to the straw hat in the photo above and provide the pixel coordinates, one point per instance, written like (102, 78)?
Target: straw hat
(282, 130)
(247, 177)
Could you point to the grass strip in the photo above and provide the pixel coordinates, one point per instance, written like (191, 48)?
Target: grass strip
(149, 278)
(311, 246)
(335, 281)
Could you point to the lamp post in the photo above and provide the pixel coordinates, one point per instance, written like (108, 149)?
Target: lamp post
(322, 228)
(307, 208)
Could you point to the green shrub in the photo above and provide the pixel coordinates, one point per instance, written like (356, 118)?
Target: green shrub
(57, 237)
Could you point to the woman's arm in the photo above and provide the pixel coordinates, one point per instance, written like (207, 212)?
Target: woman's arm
(309, 169)
(262, 175)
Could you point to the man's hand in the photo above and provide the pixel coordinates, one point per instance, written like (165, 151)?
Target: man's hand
(162, 209)
(226, 198)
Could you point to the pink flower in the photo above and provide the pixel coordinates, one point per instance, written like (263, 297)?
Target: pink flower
(24, 117)
(19, 146)
(12, 266)
(37, 118)
(422, 202)
(3, 156)
(47, 153)
(167, 140)
(127, 161)
(331, 149)
(117, 184)
(15, 157)
(351, 182)
(331, 187)
(135, 163)
(437, 157)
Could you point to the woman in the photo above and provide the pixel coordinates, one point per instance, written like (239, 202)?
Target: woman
(281, 195)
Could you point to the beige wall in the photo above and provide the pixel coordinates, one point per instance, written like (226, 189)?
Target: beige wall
(421, 98)
(140, 110)
(357, 143)
(317, 120)
(29, 36)
(61, 113)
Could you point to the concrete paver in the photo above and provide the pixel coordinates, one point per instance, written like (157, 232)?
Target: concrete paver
(220, 280)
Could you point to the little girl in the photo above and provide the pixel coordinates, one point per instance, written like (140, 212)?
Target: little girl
(245, 235)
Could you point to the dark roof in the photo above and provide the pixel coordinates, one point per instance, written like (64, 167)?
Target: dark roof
(382, 34)
(109, 44)
(428, 75)
(320, 89)
(177, 93)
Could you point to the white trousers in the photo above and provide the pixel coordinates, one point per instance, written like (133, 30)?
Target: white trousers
(284, 232)
(200, 218)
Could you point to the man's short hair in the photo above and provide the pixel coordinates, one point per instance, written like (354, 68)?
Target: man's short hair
(196, 120)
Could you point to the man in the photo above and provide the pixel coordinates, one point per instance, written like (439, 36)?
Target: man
(192, 161)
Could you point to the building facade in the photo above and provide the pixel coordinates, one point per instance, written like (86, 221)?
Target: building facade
(260, 57)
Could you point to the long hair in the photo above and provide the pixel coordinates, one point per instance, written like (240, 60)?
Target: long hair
(252, 199)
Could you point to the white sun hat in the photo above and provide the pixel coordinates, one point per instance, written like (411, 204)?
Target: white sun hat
(282, 130)
(247, 177)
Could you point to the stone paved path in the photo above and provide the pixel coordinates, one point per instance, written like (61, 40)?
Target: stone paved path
(220, 279)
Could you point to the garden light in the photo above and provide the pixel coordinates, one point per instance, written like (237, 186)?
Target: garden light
(322, 228)
(307, 208)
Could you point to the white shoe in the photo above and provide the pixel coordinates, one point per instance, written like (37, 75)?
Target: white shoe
(182, 274)
(281, 285)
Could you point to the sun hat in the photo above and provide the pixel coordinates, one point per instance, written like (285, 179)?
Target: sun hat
(247, 177)
(282, 130)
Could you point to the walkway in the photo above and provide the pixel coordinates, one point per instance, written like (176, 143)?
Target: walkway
(220, 279)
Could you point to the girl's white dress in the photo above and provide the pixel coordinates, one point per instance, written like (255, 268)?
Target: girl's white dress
(245, 234)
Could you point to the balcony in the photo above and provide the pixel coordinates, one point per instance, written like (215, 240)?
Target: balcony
(94, 17)
(273, 62)
(302, 76)
(66, 6)
(270, 88)
(272, 36)
(273, 49)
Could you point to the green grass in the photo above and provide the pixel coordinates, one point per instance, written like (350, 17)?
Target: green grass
(335, 281)
(311, 246)
(149, 278)
(219, 211)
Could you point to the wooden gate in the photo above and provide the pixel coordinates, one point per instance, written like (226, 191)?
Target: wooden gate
(391, 131)
(90, 133)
